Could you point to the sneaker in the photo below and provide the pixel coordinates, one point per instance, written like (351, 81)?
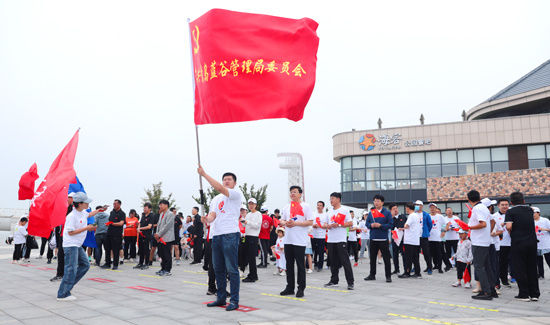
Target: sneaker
(276, 272)
(331, 284)
(440, 270)
(404, 276)
(534, 299)
(388, 279)
(299, 293)
(144, 267)
(523, 298)
(178, 262)
(512, 280)
(68, 298)
(417, 276)
(309, 271)
(447, 268)
(105, 266)
(283, 273)
(370, 278)
(166, 273)
(456, 284)
(139, 266)
(467, 285)
(248, 280)
(114, 268)
(56, 278)
(210, 292)
(286, 292)
(231, 306)
(49, 261)
(482, 296)
(395, 272)
(350, 286)
(430, 272)
(216, 303)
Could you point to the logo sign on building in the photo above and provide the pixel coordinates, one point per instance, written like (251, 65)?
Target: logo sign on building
(387, 142)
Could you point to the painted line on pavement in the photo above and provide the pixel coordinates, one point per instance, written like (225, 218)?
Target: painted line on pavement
(151, 276)
(197, 283)
(328, 289)
(462, 306)
(422, 319)
(196, 272)
(283, 297)
(146, 289)
(118, 271)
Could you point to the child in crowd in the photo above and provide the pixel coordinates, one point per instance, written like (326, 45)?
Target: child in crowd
(185, 247)
(19, 239)
(278, 251)
(463, 258)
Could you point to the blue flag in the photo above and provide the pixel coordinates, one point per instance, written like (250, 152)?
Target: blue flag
(78, 187)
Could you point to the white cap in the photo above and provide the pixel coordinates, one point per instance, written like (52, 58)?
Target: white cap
(264, 208)
(365, 212)
(252, 200)
(81, 197)
(71, 194)
(418, 202)
(535, 209)
(243, 207)
(435, 205)
(487, 202)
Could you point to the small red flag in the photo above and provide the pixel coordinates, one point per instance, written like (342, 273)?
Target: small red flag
(469, 211)
(49, 204)
(394, 235)
(376, 214)
(318, 221)
(162, 241)
(339, 218)
(296, 210)
(241, 227)
(250, 67)
(108, 223)
(466, 277)
(462, 224)
(26, 183)
(275, 222)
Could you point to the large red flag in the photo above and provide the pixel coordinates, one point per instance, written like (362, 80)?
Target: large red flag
(250, 67)
(49, 204)
(26, 183)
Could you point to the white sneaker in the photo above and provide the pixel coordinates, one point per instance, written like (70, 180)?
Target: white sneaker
(456, 284)
(283, 273)
(178, 262)
(467, 285)
(309, 271)
(276, 272)
(69, 298)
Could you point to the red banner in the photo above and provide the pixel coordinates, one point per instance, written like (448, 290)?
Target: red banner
(250, 67)
(26, 183)
(49, 204)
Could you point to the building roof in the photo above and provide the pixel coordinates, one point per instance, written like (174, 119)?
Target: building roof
(537, 78)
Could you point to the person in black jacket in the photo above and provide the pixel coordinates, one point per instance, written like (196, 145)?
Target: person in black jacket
(197, 235)
(380, 222)
(399, 221)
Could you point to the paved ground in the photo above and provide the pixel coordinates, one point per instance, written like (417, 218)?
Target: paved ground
(27, 296)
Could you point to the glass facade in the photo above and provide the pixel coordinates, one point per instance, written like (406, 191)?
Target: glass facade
(408, 171)
(538, 156)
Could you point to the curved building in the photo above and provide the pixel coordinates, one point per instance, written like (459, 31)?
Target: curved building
(501, 146)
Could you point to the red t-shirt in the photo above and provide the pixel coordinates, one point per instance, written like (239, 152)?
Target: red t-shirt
(267, 223)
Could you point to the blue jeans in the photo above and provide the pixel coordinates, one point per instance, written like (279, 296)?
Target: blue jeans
(76, 265)
(225, 258)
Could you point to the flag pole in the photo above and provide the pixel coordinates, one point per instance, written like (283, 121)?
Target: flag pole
(201, 192)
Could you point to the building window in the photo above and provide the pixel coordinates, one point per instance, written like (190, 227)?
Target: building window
(449, 169)
(402, 172)
(417, 158)
(403, 184)
(418, 183)
(346, 187)
(386, 161)
(388, 185)
(373, 186)
(346, 175)
(418, 171)
(483, 167)
(387, 173)
(346, 163)
(433, 158)
(373, 161)
(402, 159)
(448, 157)
(358, 162)
(537, 156)
(466, 169)
(500, 166)
(358, 186)
(373, 174)
(433, 170)
(358, 174)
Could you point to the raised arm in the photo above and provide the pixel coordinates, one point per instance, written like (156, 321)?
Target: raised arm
(214, 183)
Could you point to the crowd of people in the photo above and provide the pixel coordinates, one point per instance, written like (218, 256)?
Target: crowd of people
(505, 241)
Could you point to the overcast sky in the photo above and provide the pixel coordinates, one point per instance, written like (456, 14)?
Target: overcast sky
(120, 71)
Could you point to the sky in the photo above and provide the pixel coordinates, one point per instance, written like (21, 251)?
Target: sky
(121, 71)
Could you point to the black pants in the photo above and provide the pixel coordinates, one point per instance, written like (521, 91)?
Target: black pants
(166, 256)
(540, 263)
(28, 248)
(18, 252)
(524, 264)
(295, 254)
(264, 243)
(251, 252)
(382, 246)
(130, 247)
(144, 250)
(353, 249)
(198, 249)
(208, 262)
(504, 264)
(318, 247)
(396, 251)
(411, 259)
(43, 245)
(435, 250)
(450, 247)
(101, 244)
(493, 260)
(425, 247)
(482, 267)
(112, 244)
(242, 261)
(60, 257)
(460, 267)
(340, 257)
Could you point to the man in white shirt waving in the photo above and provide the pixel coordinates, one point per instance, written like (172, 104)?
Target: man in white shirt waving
(296, 218)
(225, 240)
(74, 233)
(338, 220)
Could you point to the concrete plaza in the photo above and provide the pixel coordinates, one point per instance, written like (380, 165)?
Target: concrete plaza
(129, 296)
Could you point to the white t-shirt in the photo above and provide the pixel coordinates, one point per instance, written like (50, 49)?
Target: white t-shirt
(319, 233)
(253, 224)
(297, 235)
(19, 234)
(438, 221)
(352, 234)
(365, 234)
(338, 234)
(543, 236)
(74, 221)
(452, 234)
(413, 233)
(495, 240)
(228, 211)
(480, 237)
(280, 245)
(506, 239)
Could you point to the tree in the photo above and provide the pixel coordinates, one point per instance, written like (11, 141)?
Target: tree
(154, 196)
(260, 195)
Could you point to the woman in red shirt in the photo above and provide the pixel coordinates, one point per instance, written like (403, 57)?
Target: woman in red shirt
(130, 235)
